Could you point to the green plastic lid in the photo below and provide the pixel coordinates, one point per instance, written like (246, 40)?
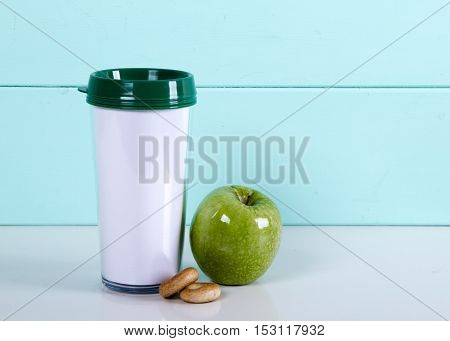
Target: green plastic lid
(141, 89)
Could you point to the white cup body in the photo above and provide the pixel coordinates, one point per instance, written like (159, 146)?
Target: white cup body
(141, 219)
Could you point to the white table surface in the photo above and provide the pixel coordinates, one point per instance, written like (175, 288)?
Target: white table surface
(312, 278)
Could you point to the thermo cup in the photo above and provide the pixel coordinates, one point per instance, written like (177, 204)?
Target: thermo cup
(140, 123)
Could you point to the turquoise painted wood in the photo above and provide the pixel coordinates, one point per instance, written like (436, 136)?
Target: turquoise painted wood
(376, 156)
(46, 174)
(235, 43)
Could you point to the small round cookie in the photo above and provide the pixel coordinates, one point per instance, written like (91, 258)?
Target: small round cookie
(200, 293)
(178, 282)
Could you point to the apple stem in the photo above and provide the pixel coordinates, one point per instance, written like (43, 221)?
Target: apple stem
(245, 198)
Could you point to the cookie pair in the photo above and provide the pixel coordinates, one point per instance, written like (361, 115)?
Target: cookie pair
(190, 291)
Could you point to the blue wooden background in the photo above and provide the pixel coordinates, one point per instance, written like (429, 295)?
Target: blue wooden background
(379, 148)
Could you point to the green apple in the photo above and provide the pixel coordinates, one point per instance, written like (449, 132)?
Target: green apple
(235, 235)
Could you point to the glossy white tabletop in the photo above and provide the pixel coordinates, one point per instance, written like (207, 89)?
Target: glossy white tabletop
(341, 273)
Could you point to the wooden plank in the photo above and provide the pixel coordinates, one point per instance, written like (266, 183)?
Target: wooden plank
(283, 43)
(375, 156)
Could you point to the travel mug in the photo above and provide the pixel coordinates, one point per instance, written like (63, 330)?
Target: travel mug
(140, 122)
